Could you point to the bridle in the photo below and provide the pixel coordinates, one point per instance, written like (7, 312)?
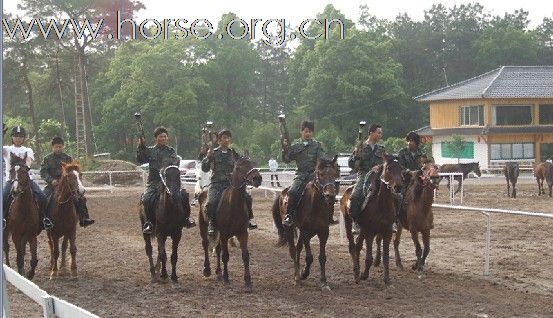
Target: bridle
(162, 177)
(244, 180)
(73, 194)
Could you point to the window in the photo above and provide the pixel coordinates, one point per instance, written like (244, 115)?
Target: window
(546, 114)
(512, 115)
(471, 115)
(511, 151)
(467, 153)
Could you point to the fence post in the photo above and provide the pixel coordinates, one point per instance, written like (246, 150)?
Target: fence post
(488, 243)
(5, 300)
(48, 306)
(110, 183)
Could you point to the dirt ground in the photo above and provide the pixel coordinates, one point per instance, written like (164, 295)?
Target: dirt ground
(114, 279)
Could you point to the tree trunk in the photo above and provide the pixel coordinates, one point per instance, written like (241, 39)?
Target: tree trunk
(31, 110)
(62, 111)
(89, 142)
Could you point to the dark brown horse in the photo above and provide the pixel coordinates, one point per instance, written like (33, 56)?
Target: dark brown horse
(511, 171)
(232, 220)
(312, 218)
(170, 214)
(543, 171)
(64, 216)
(418, 214)
(23, 222)
(465, 168)
(376, 218)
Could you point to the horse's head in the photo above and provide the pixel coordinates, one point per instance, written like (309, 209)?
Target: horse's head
(325, 177)
(429, 174)
(392, 174)
(19, 173)
(71, 178)
(476, 168)
(170, 176)
(245, 172)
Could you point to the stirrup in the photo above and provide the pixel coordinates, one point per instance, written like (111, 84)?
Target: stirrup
(148, 228)
(86, 222)
(189, 222)
(394, 227)
(288, 220)
(211, 228)
(252, 225)
(47, 224)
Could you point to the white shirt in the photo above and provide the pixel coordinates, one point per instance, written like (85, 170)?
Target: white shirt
(18, 151)
(273, 165)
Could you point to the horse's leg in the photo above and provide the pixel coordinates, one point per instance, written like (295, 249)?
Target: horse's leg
(6, 248)
(418, 249)
(162, 256)
(397, 239)
(174, 255)
(299, 247)
(539, 187)
(207, 266)
(368, 256)
(225, 257)
(386, 256)
(63, 264)
(356, 256)
(55, 254)
(378, 255)
(323, 237)
(20, 259)
(351, 242)
(458, 185)
(34, 258)
(308, 257)
(508, 187)
(514, 189)
(148, 248)
(426, 243)
(73, 252)
(243, 240)
(218, 270)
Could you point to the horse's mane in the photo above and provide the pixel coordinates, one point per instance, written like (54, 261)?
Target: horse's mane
(72, 166)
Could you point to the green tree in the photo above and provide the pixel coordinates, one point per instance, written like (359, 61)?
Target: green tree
(457, 144)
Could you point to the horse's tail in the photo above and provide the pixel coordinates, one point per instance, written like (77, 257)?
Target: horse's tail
(549, 174)
(277, 219)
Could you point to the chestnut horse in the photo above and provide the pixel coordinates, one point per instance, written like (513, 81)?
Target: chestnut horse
(64, 216)
(23, 221)
(543, 171)
(376, 218)
(171, 211)
(418, 214)
(511, 171)
(232, 220)
(311, 219)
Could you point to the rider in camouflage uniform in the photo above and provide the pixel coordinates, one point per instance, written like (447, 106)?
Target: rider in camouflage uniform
(305, 152)
(365, 160)
(157, 156)
(50, 172)
(221, 161)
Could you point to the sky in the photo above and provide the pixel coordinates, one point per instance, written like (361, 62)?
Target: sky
(295, 11)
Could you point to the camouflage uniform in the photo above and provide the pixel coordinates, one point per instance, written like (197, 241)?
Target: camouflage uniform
(157, 156)
(410, 161)
(305, 153)
(221, 163)
(369, 158)
(50, 170)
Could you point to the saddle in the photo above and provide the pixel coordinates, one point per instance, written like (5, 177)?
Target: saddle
(370, 183)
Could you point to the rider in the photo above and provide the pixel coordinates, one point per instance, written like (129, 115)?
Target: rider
(220, 161)
(366, 160)
(158, 155)
(51, 170)
(410, 158)
(19, 135)
(305, 151)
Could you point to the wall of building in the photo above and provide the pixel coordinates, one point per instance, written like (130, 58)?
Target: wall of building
(480, 151)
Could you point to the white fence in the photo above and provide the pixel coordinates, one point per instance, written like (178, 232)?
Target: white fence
(51, 305)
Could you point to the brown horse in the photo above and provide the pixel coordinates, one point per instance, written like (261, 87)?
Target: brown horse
(232, 220)
(312, 219)
(543, 171)
(418, 214)
(64, 216)
(23, 222)
(511, 171)
(465, 168)
(376, 218)
(170, 215)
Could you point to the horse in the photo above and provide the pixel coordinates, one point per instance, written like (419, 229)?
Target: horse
(511, 171)
(171, 211)
(543, 171)
(465, 168)
(23, 221)
(376, 218)
(418, 214)
(64, 216)
(232, 220)
(312, 219)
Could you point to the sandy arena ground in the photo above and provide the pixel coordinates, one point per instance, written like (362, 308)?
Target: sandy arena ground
(114, 280)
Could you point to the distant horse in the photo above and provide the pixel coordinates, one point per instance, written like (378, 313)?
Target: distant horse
(465, 168)
(418, 214)
(311, 219)
(64, 216)
(376, 218)
(232, 220)
(543, 171)
(171, 211)
(511, 171)
(23, 222)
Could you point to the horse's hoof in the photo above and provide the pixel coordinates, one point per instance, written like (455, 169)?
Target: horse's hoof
(400, 266)
(207, 271)
(376, 263)
(325, 287)
(226, 282)
(153, 279)
(248, 289)
(364, 276)
(30, 275)
(304, 275)
(387, 281)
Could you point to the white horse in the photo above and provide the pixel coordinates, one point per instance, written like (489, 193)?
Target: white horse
(202, 182)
